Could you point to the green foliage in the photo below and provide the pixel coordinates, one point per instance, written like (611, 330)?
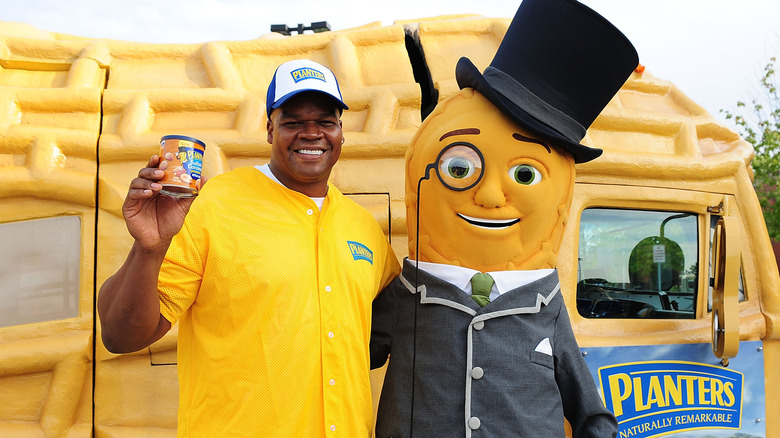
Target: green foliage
(761, 127)
(644, 270)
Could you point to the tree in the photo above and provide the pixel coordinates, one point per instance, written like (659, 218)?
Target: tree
(761, 127)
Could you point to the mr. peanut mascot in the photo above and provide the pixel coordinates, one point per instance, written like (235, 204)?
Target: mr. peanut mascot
(489, 181)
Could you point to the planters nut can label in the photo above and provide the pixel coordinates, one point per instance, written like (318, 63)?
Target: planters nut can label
(185, 164)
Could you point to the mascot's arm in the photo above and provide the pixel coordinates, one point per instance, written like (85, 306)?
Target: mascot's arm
(582, 404)
(385, 312)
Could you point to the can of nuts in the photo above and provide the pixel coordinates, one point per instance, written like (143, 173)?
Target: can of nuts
(185, 164)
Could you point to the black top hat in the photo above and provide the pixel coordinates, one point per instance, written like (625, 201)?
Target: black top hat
(557, 67)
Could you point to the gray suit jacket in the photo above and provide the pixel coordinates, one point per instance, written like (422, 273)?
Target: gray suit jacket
(481, 372)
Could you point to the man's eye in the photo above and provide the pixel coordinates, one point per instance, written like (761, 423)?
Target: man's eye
(525, 174)
(457, 167)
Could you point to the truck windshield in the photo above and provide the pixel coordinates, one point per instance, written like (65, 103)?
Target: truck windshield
(637, 264)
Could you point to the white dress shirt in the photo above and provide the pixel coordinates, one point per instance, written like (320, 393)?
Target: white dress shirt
(503, 280)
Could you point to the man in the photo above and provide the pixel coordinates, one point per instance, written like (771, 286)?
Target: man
(489, 181)
(270, 273)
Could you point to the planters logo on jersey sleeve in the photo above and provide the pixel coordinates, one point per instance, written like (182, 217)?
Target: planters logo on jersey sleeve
(360, 251)
(307, 73)
(656, 398)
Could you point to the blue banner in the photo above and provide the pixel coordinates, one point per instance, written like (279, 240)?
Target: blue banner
(681, 390)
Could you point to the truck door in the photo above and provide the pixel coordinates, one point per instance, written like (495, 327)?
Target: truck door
(667, 317)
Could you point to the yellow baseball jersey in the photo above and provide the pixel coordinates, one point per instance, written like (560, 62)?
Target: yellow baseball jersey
(273, 299)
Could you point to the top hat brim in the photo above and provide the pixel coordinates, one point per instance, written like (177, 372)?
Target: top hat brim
(468, 75)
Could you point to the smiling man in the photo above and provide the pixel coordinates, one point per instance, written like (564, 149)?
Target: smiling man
(270, 273)
(479, 340)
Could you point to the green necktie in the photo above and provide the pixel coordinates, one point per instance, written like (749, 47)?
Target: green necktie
(480, 288)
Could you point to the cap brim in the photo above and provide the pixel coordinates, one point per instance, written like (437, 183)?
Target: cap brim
(468, 75)
(288, 96)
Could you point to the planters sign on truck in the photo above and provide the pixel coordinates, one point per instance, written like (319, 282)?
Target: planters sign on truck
(653, 397)
(665, 266)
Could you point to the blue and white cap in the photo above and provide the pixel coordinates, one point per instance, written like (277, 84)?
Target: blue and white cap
(301, 75)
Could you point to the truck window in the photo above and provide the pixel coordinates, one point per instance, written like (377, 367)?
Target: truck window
(39, 270)
(637, 264)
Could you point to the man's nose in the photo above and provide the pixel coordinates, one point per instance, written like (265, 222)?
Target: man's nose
(490, 192)
(311, 130)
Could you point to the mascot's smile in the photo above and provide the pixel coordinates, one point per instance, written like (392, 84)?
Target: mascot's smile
(489, 223)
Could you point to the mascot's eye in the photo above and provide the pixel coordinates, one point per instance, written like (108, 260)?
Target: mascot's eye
(525, 174)
(457, 167)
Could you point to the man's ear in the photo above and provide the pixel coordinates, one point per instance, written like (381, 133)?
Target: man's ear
(269, 126)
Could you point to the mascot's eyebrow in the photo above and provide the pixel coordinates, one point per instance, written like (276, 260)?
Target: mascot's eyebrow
(517, 136)
(468, 131)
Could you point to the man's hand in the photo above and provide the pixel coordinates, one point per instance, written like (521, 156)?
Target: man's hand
(153, 218)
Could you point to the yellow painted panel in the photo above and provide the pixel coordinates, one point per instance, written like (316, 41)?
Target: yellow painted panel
(160, 73)
(653, 143)
(22, 78)
(135, 394)
(22, 396)
(649, 102)
(56, 367)
(185, 120)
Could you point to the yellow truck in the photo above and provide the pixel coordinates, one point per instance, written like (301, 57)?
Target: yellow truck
(666, 266)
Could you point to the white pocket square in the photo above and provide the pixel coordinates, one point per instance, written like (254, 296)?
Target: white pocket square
(544, 347)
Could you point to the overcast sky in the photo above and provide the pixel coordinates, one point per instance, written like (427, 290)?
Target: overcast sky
(713, 50)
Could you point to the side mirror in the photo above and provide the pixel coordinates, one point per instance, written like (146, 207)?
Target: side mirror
(725, 291)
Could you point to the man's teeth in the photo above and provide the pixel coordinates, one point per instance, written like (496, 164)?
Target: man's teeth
(311, 151)
(489, 223)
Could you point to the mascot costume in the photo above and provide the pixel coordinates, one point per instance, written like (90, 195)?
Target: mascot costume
(489, 181)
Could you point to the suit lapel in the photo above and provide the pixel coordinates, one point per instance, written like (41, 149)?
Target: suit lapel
(525, 299)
